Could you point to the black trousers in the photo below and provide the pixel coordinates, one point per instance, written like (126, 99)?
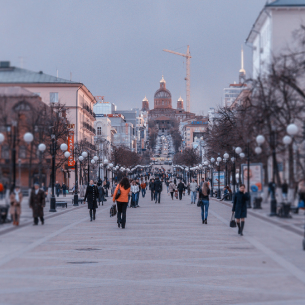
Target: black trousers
(36, 220)
(122, 207)
(180, 195)
(158, 196)
(152, 195)
(90, 213)
(172, 195)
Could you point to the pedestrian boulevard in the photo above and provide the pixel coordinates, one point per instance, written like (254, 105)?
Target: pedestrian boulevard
(164, 256)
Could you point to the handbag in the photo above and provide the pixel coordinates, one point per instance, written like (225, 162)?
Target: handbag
(232, 222)
(118, 194)
(113, 211)
(199, 203)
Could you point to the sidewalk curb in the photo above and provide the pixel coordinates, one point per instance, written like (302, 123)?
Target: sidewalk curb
(268, 219)
(25, 224)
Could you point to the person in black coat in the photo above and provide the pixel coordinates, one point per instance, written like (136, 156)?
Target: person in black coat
(92, 196)
(158, 189)
(152, 189)
(180, 188)
(240, 208)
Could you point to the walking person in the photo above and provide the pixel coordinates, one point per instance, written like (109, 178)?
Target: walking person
(105, 190)
(204, 193)
(92, 196)
(64, 189)
(158, 190)
(57, 188)
(180, 188)
(171, 188)
(143, 188)
(37, 203)
(193, 189)
(15, 206)
(152, 189)
(240, 208)
(138, 197)
(134, 194)
(122, 201)
(101, 193)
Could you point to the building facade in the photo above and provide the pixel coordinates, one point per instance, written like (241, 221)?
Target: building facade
(163, 113)
(270, 36)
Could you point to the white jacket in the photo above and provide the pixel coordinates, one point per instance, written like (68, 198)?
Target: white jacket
(134, 188)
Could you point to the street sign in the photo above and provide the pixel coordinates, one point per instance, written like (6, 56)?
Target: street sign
(256, 176)
(215, 180)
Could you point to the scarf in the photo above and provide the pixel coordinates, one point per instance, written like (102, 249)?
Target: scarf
(17, 195)
(205, 188)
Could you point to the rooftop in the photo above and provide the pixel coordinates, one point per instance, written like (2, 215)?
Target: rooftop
(285, 3)
(11, 75)
(16, 91)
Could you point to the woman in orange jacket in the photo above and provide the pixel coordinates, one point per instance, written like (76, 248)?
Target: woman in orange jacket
(122, 201)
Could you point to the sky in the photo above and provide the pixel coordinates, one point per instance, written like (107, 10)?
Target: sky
(115, 47)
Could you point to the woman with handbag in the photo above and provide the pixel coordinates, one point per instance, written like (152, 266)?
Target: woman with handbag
(121, 197)
(204, 193)
(240, 208)
(91, 196)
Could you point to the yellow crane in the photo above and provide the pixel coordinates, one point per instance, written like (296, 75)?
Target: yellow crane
(188, 75)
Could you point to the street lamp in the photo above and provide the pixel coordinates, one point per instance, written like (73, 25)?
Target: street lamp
(226, 157)
(106, 163)
(218, 191)
(212, 174)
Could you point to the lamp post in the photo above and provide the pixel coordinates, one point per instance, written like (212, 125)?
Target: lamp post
(212, 174)
(106, 163)
(226, 157)
(218, 191)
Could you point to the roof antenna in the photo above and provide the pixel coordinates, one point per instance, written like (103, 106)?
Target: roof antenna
(57, 73)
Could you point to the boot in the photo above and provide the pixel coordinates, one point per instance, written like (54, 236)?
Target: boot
(94, 214)
(238, 224)
(242, 227)
(90, 213)
(206, 221)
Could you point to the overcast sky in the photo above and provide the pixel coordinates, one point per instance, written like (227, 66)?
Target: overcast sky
(115, 46)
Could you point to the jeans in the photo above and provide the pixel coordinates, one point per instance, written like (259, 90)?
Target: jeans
(204, 209)
(167, 188)
(180, 195)
(143, 192)
(152, 195)
(158, 196)
(193, 196)
(284, 195)
(134, 199)
(122, 207)
(57, 192)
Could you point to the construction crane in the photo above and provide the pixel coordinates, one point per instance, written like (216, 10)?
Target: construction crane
(188, 75)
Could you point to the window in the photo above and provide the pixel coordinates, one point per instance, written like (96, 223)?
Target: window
(99, 131)
(22, 152)
(53, 97)
(5, 152)
(22, 106)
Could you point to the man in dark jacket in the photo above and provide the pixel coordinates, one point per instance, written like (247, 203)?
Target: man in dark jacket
(152, 189)
(57, 188)
(37, 203)
(240, 207)
(180, 188)
(92, 196)
(158, 189)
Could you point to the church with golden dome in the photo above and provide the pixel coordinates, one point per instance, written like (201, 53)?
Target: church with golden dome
(163, 113)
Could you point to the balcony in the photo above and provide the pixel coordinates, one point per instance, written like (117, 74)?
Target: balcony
(89, 127)
(88, 110)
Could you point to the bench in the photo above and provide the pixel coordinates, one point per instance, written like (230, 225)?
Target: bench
(80, 200)
(62, 204)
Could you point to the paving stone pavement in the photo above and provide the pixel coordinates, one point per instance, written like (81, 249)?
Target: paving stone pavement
(164, 256)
